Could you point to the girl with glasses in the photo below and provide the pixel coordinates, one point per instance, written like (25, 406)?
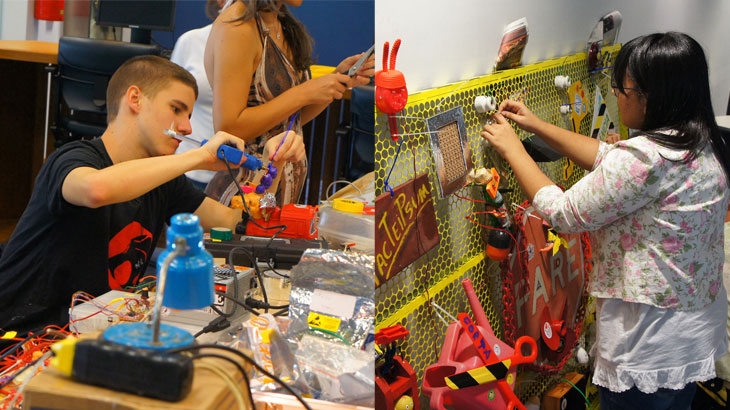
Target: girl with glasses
(655, 205)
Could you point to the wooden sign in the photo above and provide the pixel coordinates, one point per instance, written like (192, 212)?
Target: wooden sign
(405, 227)
(550, 283)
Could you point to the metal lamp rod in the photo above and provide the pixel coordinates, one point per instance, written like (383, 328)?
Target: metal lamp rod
(180, 248)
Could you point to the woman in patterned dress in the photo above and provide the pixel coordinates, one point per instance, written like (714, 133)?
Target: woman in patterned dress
(655, 205)
(257, 61)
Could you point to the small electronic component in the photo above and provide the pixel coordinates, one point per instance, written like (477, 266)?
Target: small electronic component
(485, 103)
(562, 82)
(300, 222)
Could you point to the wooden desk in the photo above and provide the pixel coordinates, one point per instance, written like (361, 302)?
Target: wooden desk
(29, 50)
(52, 390)
(23, 116)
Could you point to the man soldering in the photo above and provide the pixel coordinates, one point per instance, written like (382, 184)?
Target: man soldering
(99, 206)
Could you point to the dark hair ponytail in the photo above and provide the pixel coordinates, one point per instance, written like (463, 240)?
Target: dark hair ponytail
(295, 33)
(670, 71)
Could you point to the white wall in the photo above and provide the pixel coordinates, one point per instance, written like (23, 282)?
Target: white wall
(446, 41)
(706, 21)
(18, 23)
(16, 16)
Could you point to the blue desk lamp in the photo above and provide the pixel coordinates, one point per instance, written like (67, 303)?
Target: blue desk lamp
(189, 268)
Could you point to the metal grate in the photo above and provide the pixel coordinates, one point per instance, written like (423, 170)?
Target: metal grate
(438, 274)
(453, 156)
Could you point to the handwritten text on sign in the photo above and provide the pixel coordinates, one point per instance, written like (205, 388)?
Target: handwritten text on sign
(405, 227)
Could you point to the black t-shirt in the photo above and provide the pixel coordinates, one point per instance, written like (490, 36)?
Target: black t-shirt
(58, 248)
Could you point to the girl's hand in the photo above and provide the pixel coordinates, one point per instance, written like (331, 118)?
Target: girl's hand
(612, 138)
(503, 138)
(292, 149)
(325, 89)
(520, 114)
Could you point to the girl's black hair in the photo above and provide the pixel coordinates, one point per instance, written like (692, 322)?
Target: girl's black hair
(295, 33)
(670, 71)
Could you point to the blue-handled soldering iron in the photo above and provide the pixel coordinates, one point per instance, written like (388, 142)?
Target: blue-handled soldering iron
(227, 152)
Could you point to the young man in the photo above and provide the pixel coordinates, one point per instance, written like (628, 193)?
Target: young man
(98, 207)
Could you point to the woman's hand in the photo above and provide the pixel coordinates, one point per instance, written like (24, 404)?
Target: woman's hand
(612, 138)
(363, 74)
(325, 89)
(292, 149)
(520, 114)
(503, 138)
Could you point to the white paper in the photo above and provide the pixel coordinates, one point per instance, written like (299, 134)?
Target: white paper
(331, 303)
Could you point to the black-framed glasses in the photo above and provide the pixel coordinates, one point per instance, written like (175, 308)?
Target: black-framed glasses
(614, 89)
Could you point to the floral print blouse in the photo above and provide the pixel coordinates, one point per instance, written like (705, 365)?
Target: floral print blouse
(657, 223)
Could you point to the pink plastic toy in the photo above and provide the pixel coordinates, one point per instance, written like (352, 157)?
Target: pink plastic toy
(458, 355)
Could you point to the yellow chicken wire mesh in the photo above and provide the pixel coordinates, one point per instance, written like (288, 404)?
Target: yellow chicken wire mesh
(460, 253)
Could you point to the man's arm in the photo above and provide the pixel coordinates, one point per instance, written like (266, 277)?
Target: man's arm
(93, 188)
(213, 214)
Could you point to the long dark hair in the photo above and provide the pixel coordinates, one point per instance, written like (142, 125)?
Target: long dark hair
(670, 71)
(295, 33)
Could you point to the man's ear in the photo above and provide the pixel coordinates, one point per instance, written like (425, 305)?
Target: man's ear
(134, 98)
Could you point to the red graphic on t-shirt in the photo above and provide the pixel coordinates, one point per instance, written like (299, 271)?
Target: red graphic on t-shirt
(128, 252)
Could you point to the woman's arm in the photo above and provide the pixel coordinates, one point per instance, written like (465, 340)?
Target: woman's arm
(362, 77)
(580, 149)
(232, 54)
(505, 141)
(625, 180)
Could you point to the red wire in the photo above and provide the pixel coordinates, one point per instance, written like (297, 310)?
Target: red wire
(489, 227)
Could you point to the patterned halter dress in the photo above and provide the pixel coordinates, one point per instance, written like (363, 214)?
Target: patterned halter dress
(274, 75)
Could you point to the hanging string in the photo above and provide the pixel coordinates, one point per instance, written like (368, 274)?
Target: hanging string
(468, 217)
(417, 133)
(438, 106)
(445, 312)
(562, 65)
(525, 210)
(600, 69)
(294, 117)
(409, 117)
(387, 186)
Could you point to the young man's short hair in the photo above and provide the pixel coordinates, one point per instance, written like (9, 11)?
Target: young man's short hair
(150, 73)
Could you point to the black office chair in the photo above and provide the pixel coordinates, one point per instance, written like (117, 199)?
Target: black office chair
(84, 69)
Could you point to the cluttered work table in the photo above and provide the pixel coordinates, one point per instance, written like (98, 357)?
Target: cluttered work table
(50, 389)
(316, 339)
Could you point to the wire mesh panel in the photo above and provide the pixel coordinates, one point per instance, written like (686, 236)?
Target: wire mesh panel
(437, 275)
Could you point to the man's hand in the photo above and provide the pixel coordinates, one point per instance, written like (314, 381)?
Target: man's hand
(211, 161)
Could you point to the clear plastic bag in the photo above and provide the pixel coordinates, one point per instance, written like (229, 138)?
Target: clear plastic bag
(336, 372)
(332, 295)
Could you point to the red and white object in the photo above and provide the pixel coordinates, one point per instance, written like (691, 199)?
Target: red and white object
(391, 94)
